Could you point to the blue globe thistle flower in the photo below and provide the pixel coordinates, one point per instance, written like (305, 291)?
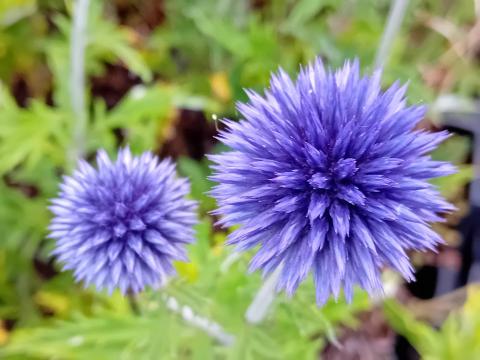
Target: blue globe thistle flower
(328, 174)
(121, 226)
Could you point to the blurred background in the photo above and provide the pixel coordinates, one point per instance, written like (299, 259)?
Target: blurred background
(158, 75)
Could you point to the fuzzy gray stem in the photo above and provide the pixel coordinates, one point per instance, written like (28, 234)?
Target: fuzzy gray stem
(211, 328)
(77, 77)
(394, 21)
(258, 309)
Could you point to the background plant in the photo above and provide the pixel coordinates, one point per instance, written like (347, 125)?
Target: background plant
(156, 73)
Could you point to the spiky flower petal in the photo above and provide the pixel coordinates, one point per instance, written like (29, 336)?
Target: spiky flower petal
(122, 225)
(328, 174)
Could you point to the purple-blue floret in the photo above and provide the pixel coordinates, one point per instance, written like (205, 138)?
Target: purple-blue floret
(123, 224)
(329, 174)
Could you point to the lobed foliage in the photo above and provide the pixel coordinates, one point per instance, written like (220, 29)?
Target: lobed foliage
(200, 57)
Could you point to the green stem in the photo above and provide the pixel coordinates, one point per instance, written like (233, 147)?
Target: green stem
(133, 301)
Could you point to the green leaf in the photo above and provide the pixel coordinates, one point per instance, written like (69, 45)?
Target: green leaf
(451, 184)
(420, 335)
(225, 34)
(304, 11)
(198, 173)
(12, 11)
(44, 127)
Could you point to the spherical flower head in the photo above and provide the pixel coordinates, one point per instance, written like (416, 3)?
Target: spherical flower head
(122, 225)
(328, 174)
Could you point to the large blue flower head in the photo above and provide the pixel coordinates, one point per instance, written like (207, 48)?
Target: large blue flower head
(329, 175)
(121, 226)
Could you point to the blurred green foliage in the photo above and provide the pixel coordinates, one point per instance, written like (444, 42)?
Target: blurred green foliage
(457, 338)
(199, 56)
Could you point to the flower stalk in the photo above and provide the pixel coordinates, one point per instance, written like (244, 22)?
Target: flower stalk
(394, 21)
(258, 309)
(209, 327)
(77, 77)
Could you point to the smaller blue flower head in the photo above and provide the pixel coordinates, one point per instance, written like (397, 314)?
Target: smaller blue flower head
(123, 225)
(329, 174)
